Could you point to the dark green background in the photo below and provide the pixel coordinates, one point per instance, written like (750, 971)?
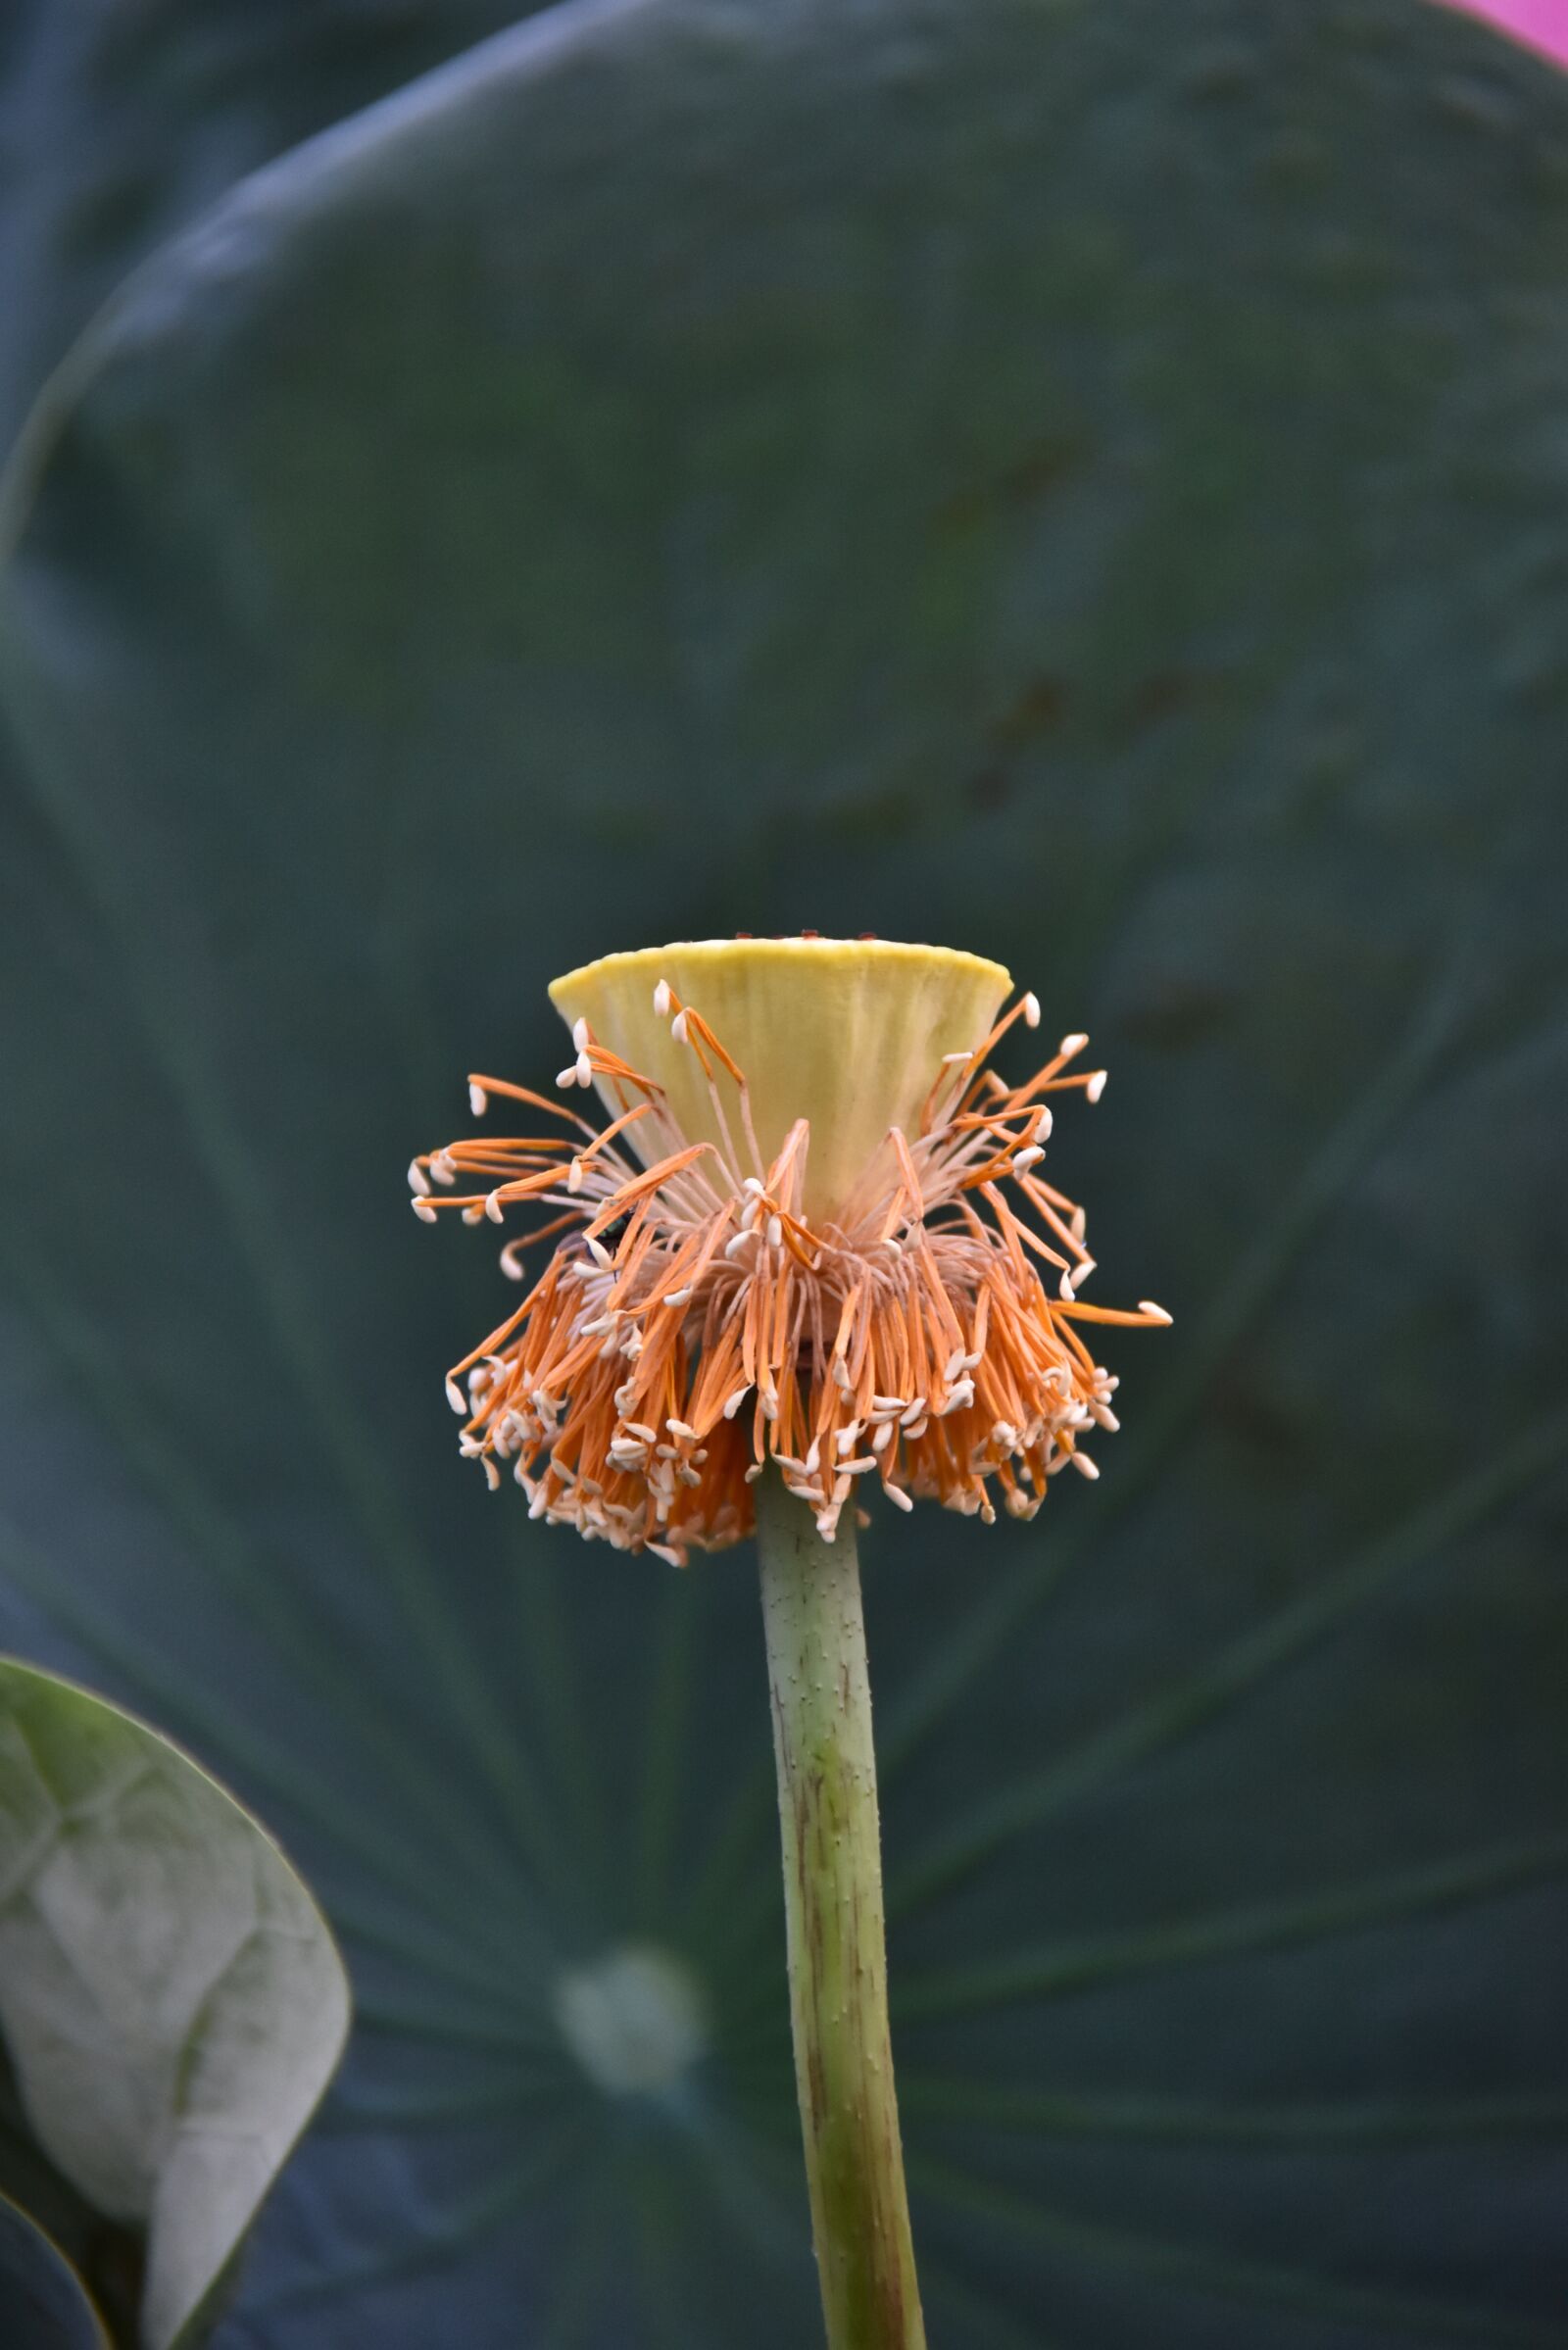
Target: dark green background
(1086, 483)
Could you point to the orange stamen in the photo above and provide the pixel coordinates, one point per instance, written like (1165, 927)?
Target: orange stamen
(913, 1342)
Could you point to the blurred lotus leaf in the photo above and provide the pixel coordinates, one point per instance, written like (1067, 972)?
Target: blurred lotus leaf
(44, 2305)
(170, 1999)
(1082, 483)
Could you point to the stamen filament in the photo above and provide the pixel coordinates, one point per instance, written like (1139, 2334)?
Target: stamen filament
(910, 1337)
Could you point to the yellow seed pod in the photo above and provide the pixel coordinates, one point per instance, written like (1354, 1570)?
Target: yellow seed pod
(845, 1033)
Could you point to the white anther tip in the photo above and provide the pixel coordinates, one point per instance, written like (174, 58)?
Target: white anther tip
(566, 1078)
(493, 1208)
(424, 1211)
(478, 1099)
(1072, 1044)
(662, 999)
(1085, 1466)
(1096, 1085)
(677, 1028)
(579, 1035)
(1155, 1313)
(419, 1181)
(1031, 1009)
(457, 1398)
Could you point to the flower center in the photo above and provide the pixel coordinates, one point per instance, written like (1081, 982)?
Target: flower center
(702, 1316)
(843, 1033)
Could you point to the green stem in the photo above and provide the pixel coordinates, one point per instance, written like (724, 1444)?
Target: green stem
(833, 1916)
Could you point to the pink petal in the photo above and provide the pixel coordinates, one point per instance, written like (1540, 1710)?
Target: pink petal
(1541, 24)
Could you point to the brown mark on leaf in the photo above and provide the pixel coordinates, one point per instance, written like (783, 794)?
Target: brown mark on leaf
(989, 789)
(1177, 1013)
(1249, 1415)
(1040, 707)
(1030, 475)
(1167, 694)
(1037, 711)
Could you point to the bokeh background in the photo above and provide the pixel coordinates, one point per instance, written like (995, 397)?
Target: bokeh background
(1086, 483)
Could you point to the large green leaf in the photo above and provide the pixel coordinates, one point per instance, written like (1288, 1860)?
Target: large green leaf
(1085, 484)
(118, 125)
(170, 1996)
